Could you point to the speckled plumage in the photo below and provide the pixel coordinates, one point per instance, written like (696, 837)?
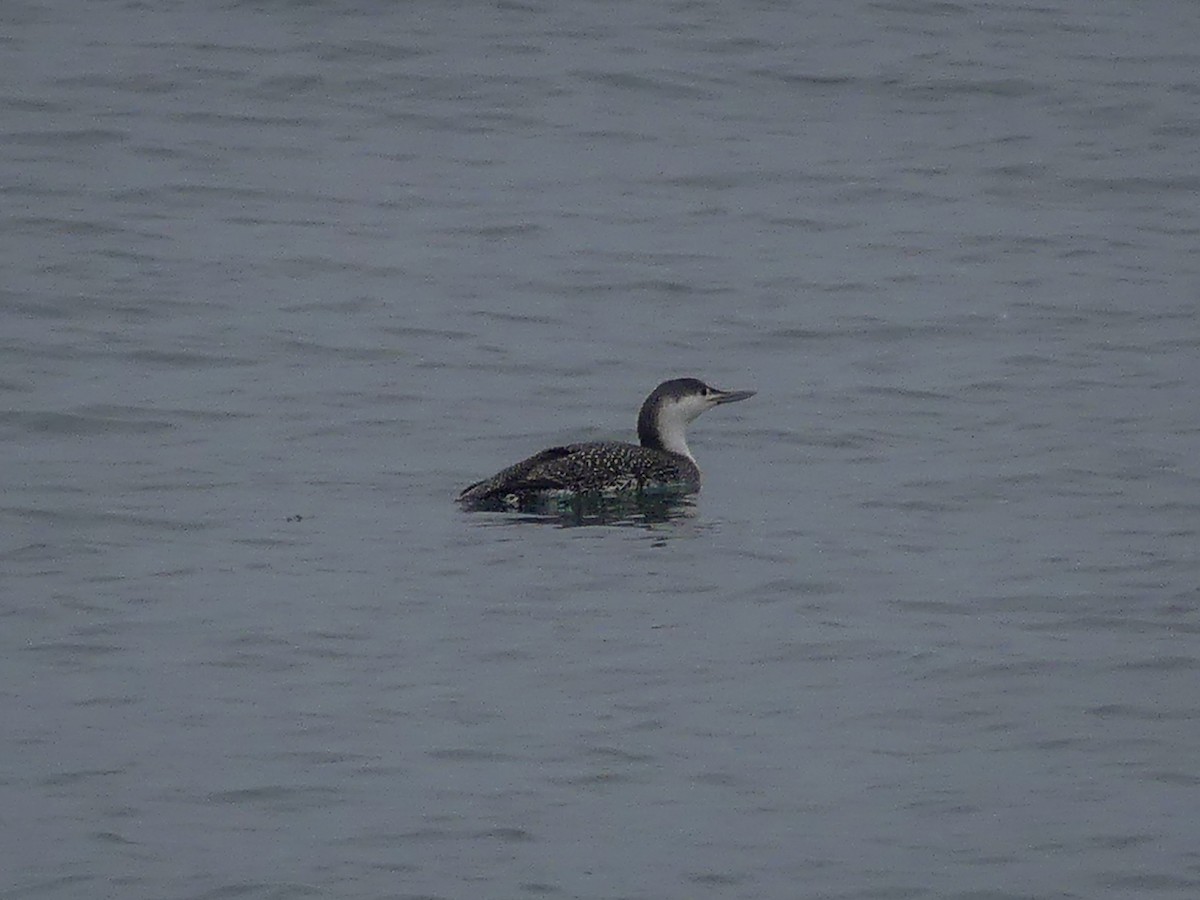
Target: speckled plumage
(663, 462)
(597, 467)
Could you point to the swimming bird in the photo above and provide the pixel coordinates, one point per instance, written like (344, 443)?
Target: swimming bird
(661, 463)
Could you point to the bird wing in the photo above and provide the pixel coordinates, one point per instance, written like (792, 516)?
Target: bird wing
(526, 475)
(593, 466)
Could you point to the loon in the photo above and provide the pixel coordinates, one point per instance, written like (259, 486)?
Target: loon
(662, 462)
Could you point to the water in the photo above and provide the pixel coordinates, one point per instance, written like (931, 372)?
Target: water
(281, 278)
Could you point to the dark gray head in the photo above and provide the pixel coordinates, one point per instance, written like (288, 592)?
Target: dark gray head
(663, 421)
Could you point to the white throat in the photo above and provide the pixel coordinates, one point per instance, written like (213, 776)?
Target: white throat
(672, 430)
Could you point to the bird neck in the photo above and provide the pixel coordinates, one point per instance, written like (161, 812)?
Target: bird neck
(667, 433)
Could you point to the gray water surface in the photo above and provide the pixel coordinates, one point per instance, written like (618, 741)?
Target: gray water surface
(280, 278)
